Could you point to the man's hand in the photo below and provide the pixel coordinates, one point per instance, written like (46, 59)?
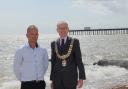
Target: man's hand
(52, 85)
(80, 83)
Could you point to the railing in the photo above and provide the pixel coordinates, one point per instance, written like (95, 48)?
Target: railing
(99, 31)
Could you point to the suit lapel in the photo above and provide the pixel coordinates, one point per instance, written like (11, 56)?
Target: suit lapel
(58, 44)
(66, 46)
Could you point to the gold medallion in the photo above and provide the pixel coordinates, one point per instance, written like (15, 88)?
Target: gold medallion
(64, 63)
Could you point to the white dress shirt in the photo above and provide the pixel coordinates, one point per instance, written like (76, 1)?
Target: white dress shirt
(30, 64)
(65, 39)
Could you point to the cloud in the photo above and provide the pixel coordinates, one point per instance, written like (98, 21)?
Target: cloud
(103, 6)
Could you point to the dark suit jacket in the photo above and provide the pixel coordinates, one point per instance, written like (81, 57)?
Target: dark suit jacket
(69, 74)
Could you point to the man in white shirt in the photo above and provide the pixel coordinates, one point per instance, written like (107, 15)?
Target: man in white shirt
(31, 62)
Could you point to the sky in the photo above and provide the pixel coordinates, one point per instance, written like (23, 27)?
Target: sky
(17, 15)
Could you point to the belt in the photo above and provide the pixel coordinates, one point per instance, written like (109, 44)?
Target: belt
(33, 81)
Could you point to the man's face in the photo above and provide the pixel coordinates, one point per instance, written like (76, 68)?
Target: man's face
(62, 29)
(32, 36)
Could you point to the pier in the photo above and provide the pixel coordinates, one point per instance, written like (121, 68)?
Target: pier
(88, 31)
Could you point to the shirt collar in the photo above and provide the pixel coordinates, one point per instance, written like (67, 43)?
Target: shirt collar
(65, 39)
(28, 46)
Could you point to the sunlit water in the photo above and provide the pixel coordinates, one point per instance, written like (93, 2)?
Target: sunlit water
(93, 49)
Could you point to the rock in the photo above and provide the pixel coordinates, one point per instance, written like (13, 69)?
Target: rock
(105, 62)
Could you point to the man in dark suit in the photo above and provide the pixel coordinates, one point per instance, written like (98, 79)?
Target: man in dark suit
(66, 61)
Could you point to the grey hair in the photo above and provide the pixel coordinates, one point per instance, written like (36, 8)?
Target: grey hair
(62, 22)
(32, 27)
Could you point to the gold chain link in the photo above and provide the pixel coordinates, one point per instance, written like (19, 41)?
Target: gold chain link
(65, 56)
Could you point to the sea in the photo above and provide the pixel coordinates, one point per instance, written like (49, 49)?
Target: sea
(93, 48)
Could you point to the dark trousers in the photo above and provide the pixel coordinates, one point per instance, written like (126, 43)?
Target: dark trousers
(33, 85)
(62, 86)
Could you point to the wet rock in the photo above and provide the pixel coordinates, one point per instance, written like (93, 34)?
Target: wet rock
(105, 62)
